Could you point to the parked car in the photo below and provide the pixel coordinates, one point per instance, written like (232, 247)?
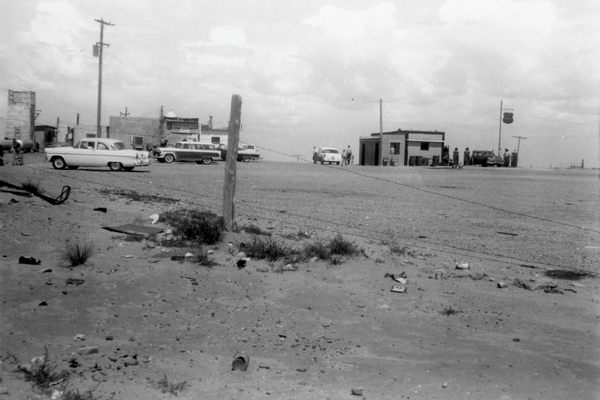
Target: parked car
(245, 152)
(97, 152)
(188, 151)
(329, 155)
(486, 158)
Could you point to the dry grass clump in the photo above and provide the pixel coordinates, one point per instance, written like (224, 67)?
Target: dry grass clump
(78, 252)
(195, 225)
(268, 248)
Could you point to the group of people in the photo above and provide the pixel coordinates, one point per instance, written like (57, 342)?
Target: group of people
(17, 152)
(347, 156)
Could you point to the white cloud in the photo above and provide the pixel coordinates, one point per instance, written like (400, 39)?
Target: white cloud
(227, 36)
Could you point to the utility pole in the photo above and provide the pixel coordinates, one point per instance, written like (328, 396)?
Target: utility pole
(124, 114)
(519, 142)
(98, 52)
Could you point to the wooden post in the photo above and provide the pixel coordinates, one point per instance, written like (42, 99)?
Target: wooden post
(235, 119)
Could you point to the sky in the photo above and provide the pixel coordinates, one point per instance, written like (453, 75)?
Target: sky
(312, 73)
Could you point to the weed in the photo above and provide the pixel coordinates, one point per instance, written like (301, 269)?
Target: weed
(335, 259)
(167, 387)
(447, 311)
(78, 252)
(200, 226)
(253, 229)
(268, 248)
(31, 187)
(341, 246)
(135, 196)
(41, 373)
(402, 250)
(317, 249)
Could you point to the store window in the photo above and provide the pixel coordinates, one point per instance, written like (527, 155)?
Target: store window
(395, 148)
(425, 146)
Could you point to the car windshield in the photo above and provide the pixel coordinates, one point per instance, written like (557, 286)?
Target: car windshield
(332, 151)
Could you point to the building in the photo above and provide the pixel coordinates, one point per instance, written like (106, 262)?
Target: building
(20, 115)
(45, 136)
(402, 147)
(137, 132)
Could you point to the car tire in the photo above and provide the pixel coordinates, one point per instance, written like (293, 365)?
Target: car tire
(59, 163)
(115, 166)
(322, 162)
(169, 158)
(128, 169)
(338, 163)
(206, 161)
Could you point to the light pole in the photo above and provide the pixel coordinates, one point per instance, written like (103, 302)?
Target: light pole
(98, 47)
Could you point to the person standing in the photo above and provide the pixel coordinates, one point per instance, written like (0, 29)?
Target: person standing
(17, 152)
(506, 158)
(467, 157)
(349, 157)
(315, 154)
(455, 156)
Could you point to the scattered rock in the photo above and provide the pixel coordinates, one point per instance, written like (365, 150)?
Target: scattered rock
(357, 392)
(87, 350)
(463, 266)
(43, 304)
(502, 285)
(80, 337)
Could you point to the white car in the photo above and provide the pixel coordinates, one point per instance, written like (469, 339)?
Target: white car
(97, 152)
(188, 151)
(329, 155)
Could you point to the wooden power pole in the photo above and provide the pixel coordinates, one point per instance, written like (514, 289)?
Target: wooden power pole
(98, 50)
(233, 137)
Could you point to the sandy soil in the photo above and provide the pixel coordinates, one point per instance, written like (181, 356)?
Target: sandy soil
(322, 330)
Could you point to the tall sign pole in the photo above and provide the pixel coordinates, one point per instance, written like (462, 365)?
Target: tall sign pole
(98, 50)
(500, 131)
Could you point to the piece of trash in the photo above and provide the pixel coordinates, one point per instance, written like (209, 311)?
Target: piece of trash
(188, 255)
(357, 392)
(74, 281)
(439, 274)
(79, 337)
(463, 266)
(398, 289)
(241, 263)
(508, 233)
(240, 362)
(87, 350)
(101, 209)
(46, 270)
(132, 229)
(502, 285)
(290, 267)
(154, 218)
(400, 278)
(128, 256)
(29, 260)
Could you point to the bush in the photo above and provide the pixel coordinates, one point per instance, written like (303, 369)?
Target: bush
(200, 226)
(339, 245)
(267, 248)
(78, 252)
(317, 249)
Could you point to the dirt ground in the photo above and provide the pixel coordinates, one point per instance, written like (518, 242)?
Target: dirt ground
(130, 318)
